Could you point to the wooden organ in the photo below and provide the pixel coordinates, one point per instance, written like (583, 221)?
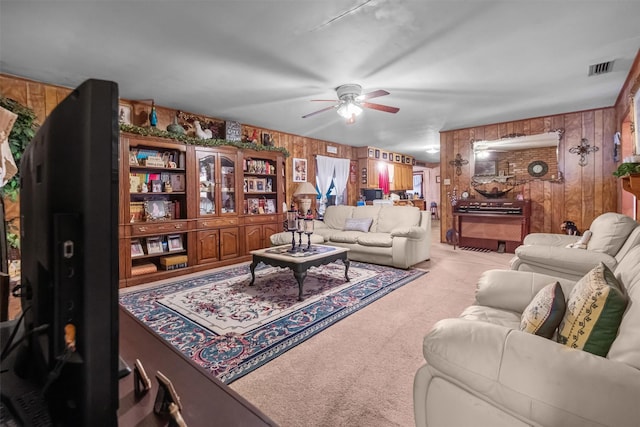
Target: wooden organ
(494, 224)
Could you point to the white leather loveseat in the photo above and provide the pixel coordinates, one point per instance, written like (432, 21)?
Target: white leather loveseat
(612, 236)
(399, 236)
(482, 370)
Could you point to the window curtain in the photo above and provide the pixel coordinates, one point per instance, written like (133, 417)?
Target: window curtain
(324, 176)
(341, 176)
(383, 180)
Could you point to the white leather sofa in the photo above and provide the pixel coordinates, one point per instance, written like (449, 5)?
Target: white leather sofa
(613, 235)
(482, 370)
(399, 236)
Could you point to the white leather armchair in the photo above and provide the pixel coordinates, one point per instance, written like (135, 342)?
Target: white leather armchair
(483, 371)
(613, 235)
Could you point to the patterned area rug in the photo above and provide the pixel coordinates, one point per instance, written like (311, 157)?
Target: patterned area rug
(231, 328)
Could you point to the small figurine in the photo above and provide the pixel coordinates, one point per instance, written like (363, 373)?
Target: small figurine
(202, 133)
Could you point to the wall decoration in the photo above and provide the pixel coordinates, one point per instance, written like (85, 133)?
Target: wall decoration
(458, 162)
(299, 170)
(538, 168)
(583, 151)
(124, 116)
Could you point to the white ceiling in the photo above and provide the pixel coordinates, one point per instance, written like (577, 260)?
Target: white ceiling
(447, 64)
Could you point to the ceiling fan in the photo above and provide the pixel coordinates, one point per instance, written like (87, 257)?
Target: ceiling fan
(350, 102)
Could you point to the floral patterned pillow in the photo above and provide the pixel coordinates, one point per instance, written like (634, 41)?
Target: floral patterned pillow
(595, 308)
(545, 311)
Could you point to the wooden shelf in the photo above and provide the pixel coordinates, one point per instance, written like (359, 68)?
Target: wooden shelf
(631, 183)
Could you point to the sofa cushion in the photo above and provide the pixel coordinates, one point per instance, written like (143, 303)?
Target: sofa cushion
(594, 311)
(368, 212)
(357, 224)
(610, 231)
(391, 217)
(346, 237)
(413, 232)
(335, 215)
(545, 311)
(381, 240)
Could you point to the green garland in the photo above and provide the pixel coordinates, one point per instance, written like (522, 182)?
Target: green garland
(189, 140)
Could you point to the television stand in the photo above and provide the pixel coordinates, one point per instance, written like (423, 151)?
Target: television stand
(203, 396)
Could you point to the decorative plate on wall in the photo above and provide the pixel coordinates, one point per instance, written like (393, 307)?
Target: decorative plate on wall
(538, 168)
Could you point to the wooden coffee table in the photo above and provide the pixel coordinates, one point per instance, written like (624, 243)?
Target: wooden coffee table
(299, 262)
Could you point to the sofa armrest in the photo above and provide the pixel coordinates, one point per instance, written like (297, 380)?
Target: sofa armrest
(514, 290)
(578, 261)
(413, 232)
(549, 239)
(532, 376)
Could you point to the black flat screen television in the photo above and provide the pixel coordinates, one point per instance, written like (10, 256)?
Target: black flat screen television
(69, 264)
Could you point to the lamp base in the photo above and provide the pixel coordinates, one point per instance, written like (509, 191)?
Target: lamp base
(305, 205)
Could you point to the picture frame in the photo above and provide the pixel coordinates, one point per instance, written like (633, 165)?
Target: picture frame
(377, 154)
(253, 206)
(251, 185)
(156, 186)
(300, 170)
(124, 114)
(270, 206)
(174, 242)
(397, 158)
(385, 155)
(155, 210)
(245, 185)
(177, 182)
(261, 184)
(437, 179)
(371, 152)
(485, 167)
(154, 245)
(136, 248)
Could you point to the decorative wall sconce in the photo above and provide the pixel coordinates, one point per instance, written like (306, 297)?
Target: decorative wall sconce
(583, 150)
(458, 162)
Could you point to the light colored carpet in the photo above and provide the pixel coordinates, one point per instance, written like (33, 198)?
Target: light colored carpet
(360, 371)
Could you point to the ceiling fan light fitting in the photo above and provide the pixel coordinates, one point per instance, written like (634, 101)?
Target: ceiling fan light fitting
(433, 149)
(349, 109)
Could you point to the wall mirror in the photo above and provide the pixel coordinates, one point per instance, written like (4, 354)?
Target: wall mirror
(499, 165)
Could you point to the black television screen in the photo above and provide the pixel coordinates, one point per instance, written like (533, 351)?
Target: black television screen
(69, 264)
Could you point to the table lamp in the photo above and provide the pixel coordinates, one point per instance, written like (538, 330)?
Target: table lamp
(304, 190)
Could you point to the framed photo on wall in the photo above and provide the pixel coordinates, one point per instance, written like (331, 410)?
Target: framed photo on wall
(299, 170)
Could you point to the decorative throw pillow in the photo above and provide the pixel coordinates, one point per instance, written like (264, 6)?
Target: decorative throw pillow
(594, 311)
(545, 311)
(357, 224)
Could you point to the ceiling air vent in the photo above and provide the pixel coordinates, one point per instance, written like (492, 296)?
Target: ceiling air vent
(601, 68)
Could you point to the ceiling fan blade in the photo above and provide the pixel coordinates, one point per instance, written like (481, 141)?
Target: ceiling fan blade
(374, 94)
(319, 111)
(380, 107)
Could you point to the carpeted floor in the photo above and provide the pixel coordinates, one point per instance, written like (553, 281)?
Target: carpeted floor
(230, 328)
(360, 371)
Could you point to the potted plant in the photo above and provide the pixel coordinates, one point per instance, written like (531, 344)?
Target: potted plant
(23, 131)
(627, 169)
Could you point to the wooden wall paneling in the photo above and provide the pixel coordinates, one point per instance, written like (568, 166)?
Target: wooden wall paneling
(557, 213)
(587, 187)
(15, 89)
(598, 162)
(610, 183)
(573, 173)
(37, 99)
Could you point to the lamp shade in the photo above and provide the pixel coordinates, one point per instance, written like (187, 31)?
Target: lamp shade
(305, 189)
(302, 193)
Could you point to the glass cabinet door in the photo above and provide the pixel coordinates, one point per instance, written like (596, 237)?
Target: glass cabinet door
(227, 184)
(207, 182)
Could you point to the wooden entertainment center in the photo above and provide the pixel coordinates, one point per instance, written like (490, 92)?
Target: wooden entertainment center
(494, 224)
(186, 208)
